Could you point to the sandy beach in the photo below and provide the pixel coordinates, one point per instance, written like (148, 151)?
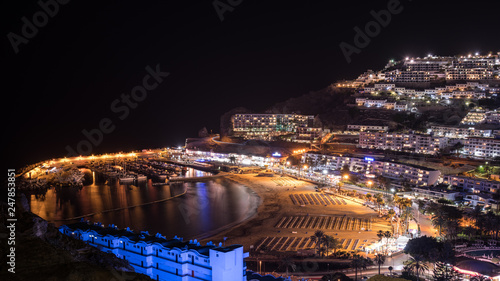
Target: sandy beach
(276, 203)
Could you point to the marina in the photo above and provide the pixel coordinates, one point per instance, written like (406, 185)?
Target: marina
(193, 207)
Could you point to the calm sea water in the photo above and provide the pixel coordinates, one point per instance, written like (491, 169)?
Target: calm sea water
(205, 208)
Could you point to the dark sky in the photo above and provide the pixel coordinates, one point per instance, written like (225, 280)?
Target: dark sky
(65, 78)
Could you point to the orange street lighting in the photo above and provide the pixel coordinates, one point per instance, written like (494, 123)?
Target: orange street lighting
(369, 182)
(346, 177)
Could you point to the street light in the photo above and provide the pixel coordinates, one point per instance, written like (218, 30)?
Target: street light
(305, 167)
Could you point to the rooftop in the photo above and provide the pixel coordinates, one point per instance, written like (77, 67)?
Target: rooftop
(149, 239)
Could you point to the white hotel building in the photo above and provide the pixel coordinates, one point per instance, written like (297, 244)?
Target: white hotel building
(417, 175)
(483, 148)
(414, 143)
(368, 128)
(459, 132)
(162, 259)
(270, 126)
(474, 185)
(469, 90)
(385, 104)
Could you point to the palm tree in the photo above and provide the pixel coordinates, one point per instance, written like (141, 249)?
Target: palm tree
(368, 197)
(391, 214)
(356, 263)
(331, 242)
(318, 237)
(380, 203)
(364, 263)
(386, 235)
(406, 214)
(469, 231)
(380, 260)
(380, 235)
(438, 220)
(476, 213)
(417, 264)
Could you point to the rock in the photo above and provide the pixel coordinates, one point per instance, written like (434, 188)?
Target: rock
(39, 227)
(23, 202)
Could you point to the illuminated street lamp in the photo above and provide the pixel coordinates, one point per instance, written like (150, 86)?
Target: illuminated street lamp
(305, 167)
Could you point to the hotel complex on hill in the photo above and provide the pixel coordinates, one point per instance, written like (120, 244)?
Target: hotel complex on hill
(272, 126)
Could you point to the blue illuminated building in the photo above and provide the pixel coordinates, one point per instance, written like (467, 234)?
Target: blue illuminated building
(161, 258)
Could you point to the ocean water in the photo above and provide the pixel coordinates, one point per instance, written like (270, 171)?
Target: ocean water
(189, 210)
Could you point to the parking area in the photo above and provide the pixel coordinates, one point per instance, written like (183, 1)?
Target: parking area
(316, 198)
(325, 223)
(301, 243)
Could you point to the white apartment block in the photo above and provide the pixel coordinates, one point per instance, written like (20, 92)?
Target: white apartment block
(473, 62)
(401, 107)
(474, 117)
(375, 103)
(387, 87)
(471, 68)
(307, 134)
(459, 132)
(417, 175)
(483, 148)
(382, 104)
(425, 65)
(492, 117)
(268, 126)
(463, 95)
(479, 117)
(469, 74)
(370, 128)
(414, 143)
(164, 259)
(435, 193)
(405, 76)
(469, 90)
(472, 184)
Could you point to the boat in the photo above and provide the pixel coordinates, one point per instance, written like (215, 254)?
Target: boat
(126, 179)
(141, 177)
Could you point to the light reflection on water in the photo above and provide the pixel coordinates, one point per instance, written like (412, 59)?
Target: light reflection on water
(205, 207)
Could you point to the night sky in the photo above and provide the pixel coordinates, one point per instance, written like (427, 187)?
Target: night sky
(66, 77)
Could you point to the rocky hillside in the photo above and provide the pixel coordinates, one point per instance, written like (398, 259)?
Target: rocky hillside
(43, 253)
